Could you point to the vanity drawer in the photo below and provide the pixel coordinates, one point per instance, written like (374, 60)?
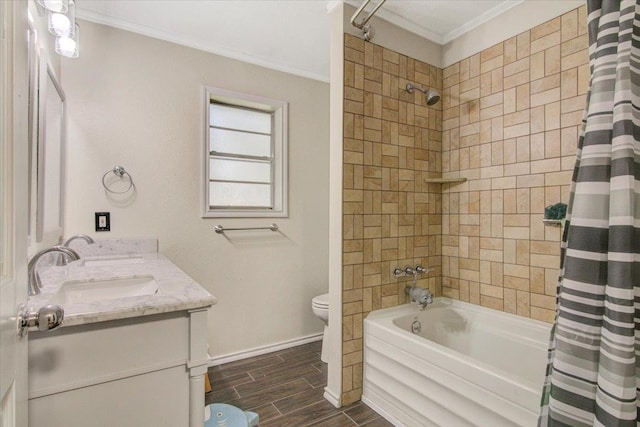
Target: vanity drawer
(123, 403)
(80, 356)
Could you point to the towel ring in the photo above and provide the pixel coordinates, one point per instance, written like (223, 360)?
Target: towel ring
(118, 171)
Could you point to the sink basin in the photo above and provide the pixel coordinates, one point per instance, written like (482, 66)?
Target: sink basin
(112, 260)
(87, 291)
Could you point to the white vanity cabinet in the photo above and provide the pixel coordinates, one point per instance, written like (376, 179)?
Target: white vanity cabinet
(134, 372)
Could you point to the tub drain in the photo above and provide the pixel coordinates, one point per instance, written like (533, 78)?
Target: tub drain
(416, 327)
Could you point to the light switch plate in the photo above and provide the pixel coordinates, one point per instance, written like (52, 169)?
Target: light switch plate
(103, 221)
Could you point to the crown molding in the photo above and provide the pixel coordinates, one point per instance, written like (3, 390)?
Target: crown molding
(410, 26)
(217, 50)
(441, 39)
(476, 22)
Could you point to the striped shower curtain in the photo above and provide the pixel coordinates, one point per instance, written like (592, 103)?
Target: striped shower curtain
(592, 376)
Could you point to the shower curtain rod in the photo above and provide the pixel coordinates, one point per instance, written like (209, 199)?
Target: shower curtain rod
(362, 25)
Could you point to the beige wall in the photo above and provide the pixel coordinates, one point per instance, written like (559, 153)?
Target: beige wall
(137, 102)
(511, 119)
(391, 218)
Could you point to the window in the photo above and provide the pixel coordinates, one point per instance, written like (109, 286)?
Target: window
(245, 152)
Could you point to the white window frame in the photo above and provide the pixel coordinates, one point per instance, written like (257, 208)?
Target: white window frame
(279, 110)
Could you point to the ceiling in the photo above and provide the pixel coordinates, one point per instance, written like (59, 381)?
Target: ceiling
(287, 35)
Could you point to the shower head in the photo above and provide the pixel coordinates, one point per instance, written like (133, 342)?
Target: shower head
(431, 96)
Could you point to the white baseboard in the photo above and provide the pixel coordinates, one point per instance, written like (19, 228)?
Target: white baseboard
(332, 398)
(393, 420)
(257, 351)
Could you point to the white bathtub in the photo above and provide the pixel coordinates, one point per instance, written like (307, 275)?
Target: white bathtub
(470, 366)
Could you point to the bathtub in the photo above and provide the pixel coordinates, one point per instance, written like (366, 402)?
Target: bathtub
(467, 366)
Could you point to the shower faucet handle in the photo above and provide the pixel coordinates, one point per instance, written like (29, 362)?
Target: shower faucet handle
(397, 272)
(422, 270)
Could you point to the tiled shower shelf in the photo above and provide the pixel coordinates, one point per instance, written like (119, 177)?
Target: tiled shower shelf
(445, 180)
(553, 222)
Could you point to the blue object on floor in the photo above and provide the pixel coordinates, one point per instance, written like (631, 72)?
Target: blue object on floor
(223, 415)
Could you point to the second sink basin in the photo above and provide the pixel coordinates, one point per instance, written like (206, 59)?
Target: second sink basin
(87, 291)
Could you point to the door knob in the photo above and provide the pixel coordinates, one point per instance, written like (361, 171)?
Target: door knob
(46, 318)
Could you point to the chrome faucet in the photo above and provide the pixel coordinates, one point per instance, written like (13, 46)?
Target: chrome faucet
(421, 296)
(86, 238)
(34, 277)
(61, 259)
(416, 294)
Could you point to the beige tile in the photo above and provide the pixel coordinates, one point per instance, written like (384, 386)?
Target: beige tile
(497, 128)
(574, 60)
(568, 141)
(529, 181)
(515, 270)
(545, 42)
(516, 233)
(491, 302)
(569, 25)
(536, 70)
(509, 201)
(523, 149)
(546, 28)
(552, 60)
(492, 52)
(537, 146)
(523, 303)
(537, 119)
(523, 196)
(524, 44)
(510, 50)
(522, 97)
(509, 102)
(583, 78)
(474, 65)
(517, 169)
(552, 115)
(552, 143)
(571, 119)
(517, 79)
(547, 261)
(572, 46)
(546, 97)
(516, 130)
(569, 83)
(497, 276)
(542, 314)
(545, 83)
(543, 301)
(510, 151)
(517, 67)
(576, 103)
(491, 64)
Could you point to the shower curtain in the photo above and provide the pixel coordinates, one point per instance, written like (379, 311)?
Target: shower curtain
(592, 376)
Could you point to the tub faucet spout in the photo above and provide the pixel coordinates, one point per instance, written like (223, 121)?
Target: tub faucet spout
(422, 297)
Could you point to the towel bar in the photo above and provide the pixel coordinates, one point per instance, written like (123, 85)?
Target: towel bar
(220, 229)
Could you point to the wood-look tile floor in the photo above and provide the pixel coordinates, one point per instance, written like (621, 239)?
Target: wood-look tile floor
(285, 388)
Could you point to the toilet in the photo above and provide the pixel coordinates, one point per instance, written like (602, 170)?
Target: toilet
(320, 307)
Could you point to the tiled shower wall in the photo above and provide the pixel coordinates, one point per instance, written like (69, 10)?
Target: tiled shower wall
(508, 121)
(392, 141)
(511, 116)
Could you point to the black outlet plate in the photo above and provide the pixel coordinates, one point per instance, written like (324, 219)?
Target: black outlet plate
(103, 221)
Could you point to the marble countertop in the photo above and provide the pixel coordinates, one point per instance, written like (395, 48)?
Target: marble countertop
(176, 290)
